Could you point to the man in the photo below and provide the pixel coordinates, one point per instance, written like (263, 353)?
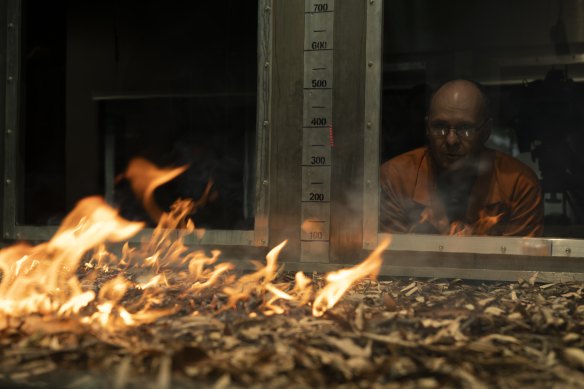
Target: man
(456, 185)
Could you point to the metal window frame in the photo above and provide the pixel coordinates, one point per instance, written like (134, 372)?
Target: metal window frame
(256, 237)
(372, 122)
(521, 250)
(11, 128)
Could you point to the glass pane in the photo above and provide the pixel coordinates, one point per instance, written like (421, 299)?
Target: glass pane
(104, 83)
(530, 67)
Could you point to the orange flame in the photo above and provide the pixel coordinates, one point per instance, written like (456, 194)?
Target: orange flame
(340, 281)
(485, 223)
(145, 177)
(44, 279)
(244, 287)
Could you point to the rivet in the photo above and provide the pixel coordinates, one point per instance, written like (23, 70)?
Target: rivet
(10, 26)
(371, 1)
(568, 251)
(370, 63)
(7, 234)
(266, 123)
(9, 131)
(8, 181)
(267, 9)
(368, 124)
(10, 78)
(263, 241)
(265, 182)
(440, 248)
(267, 64)
(368, 182)
(503, 249)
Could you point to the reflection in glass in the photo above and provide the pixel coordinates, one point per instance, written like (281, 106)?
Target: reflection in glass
(531, 67)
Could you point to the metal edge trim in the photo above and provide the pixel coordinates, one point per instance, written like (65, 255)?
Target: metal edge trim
(498, 245)
(222, 237)
(545, 60)
(437, 272)
(372, 122)
(214, 237)
(12, 81)
(263, 123)
(471, 244)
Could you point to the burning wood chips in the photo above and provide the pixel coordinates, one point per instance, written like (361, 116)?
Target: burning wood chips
(75, 315)
(392, 333)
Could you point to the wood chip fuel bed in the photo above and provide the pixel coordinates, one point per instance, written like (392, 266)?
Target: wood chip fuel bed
(393, 333)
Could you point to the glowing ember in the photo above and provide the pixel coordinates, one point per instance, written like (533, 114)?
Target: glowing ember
(75, 277)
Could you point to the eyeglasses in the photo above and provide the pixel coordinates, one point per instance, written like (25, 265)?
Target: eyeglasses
(441, 129)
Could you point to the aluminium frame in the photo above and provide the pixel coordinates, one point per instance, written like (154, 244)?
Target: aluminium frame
(464, 257)
(11, 230)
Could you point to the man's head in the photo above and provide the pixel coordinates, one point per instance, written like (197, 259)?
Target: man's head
(458, 124)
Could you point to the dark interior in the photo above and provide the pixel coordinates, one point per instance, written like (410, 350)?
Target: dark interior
(172, 83)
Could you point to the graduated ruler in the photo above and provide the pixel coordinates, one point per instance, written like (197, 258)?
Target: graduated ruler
(317, 138)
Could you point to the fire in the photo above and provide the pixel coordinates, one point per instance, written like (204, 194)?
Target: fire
(458, 228)
(77, 277)
(42, 279)
(145, 177)
(485, 223)
(340, 281)
(480, 227)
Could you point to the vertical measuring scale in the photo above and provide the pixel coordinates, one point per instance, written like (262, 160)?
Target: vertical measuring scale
(317, 139)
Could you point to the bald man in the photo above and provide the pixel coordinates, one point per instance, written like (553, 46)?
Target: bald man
(456, 185)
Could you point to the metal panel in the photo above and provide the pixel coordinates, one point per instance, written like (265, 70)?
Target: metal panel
(372, 123)
(317, 158)
(286, 127)
(567, 248)
(211, 237)
(316, 218)
(11, 128)
(222, 237)
(3, 27)
(316, 106)
(263, 122)
(541, 60)
(470, 244)
(347, 131)
(447, 272)
(321, 26)
(317, 185)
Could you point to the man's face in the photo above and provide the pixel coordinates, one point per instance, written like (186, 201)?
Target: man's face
(456, 126)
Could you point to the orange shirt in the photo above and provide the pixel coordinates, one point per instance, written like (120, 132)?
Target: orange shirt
(504, 200)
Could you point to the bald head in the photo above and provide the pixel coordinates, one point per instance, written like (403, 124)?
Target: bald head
(460, 94)
(457, 125)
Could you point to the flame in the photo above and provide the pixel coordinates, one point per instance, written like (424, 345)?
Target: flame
(75, 277)
(458, 228)
(244, 287)
(145, 177)
(485, 223)
(480, 227)
(340, 281)
(42, 278)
